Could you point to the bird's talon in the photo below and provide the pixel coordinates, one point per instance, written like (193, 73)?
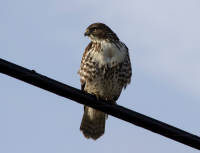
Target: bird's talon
(96, 94)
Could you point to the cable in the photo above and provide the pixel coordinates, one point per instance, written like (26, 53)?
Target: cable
(82, 97)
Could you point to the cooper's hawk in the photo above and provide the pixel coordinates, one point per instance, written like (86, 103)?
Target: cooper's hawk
(105, 69)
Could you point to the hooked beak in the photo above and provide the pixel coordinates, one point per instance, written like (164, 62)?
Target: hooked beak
(86, 33)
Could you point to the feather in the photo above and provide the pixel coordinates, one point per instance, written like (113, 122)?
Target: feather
(105, 69)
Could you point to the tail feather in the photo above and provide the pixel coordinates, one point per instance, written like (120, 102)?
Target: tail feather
(93, 124)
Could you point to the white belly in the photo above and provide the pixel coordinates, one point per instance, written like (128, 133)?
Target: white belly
(107, 80)
(110, 54)
(108, 88)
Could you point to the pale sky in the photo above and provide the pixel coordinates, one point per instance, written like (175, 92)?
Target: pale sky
(48, 36)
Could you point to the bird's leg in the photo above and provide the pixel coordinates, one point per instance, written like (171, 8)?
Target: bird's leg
(96, 94)
(112, 102)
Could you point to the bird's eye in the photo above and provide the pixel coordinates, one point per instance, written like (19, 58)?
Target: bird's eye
(93, 29)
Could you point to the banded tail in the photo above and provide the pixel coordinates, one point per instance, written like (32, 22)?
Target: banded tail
(93, 123)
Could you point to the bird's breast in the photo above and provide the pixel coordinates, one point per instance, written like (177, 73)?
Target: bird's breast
(110, 54)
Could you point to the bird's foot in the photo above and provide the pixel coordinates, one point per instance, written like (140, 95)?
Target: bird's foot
(96, 94)
(112, 102)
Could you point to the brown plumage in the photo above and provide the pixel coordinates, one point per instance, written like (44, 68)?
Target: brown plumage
(95, 127)
(105, 70)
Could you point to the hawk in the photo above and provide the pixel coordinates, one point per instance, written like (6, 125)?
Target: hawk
(105, 70)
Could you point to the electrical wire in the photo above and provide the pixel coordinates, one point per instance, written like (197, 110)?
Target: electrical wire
(32, 77)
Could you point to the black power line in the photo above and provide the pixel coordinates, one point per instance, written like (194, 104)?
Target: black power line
(82, 97)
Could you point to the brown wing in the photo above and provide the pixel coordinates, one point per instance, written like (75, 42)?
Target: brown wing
(127, 70)
(84, 61)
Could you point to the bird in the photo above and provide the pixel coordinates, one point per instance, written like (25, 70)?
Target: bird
(104, 71)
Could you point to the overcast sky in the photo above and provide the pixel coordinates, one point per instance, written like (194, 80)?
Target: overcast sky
(163, 38)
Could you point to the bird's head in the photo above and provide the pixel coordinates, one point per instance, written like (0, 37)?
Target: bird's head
(99, 32)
